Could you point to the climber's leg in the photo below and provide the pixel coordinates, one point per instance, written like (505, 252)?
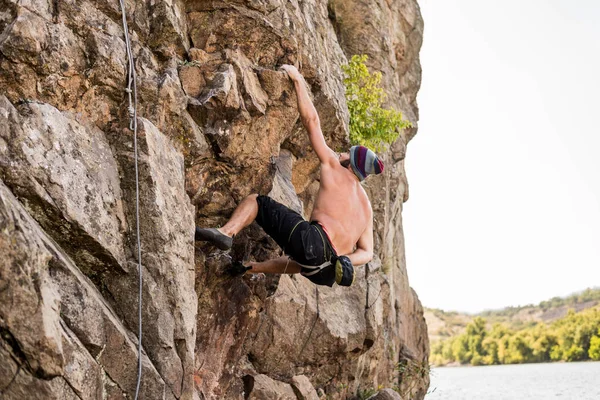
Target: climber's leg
(243, 216)
(278, 221)
(276, 266)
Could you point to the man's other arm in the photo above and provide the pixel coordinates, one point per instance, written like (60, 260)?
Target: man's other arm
(309, 117)
(364, 247)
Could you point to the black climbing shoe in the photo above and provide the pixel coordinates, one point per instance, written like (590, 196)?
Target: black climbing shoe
(237, 269)
(212, 235)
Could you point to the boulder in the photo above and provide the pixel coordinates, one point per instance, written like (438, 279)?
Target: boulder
(69, 179)
(385, 394)
(77, 336)
(29, 301)
(303, 388)
(264, 388)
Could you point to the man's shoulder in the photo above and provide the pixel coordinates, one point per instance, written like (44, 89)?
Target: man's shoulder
(330, 162)
(366, 201)
(368, 204)
(331, 169)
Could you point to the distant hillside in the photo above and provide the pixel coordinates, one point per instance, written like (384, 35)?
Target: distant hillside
(444, 324)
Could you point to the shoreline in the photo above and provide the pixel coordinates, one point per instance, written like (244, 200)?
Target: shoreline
(457, 365)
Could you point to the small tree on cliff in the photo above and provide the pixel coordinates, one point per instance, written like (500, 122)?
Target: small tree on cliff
(370, 124)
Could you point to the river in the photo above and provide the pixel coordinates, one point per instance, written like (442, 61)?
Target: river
(565, 381)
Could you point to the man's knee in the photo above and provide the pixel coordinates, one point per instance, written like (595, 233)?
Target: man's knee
(252, 198)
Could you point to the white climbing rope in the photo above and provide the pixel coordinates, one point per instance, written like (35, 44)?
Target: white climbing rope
(132, 97)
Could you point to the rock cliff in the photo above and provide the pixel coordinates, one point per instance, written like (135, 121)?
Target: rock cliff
(217, 121)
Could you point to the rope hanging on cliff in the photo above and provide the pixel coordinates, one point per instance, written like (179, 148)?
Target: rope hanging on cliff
(132, 97)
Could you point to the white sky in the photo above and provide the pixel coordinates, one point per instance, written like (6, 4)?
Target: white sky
(504, 173)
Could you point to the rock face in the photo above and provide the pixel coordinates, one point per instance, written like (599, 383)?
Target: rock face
(386, 394)
(217, 121)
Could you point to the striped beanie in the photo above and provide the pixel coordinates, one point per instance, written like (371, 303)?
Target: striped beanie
(364, 162)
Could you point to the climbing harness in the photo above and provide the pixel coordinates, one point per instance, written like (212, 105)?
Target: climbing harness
(132, 97)
(315, 269)
(344, 270)
(286, 265)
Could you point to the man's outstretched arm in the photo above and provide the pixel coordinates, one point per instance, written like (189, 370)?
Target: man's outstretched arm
(309, 116)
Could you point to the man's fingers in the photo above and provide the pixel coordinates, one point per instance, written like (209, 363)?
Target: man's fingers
(290, 69)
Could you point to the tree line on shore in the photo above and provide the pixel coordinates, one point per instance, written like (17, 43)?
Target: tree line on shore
(575, 337)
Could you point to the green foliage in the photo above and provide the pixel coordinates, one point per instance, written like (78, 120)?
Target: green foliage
(363, 394)
(187, 63)
(411, 375)
(576, 337)
(589, 294)
(517, 318)
(594, 351)
(370, 124)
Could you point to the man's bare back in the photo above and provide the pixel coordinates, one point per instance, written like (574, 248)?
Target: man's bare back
(342, 207)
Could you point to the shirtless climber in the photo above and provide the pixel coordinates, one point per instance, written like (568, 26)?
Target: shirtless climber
(340, 232)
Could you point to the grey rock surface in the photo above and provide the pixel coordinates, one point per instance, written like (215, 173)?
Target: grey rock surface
(265, 388)
(78, 336)
(385, 394)
(69, 179)
(303, 388)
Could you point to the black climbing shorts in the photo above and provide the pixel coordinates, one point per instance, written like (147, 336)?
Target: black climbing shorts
(305, 242)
